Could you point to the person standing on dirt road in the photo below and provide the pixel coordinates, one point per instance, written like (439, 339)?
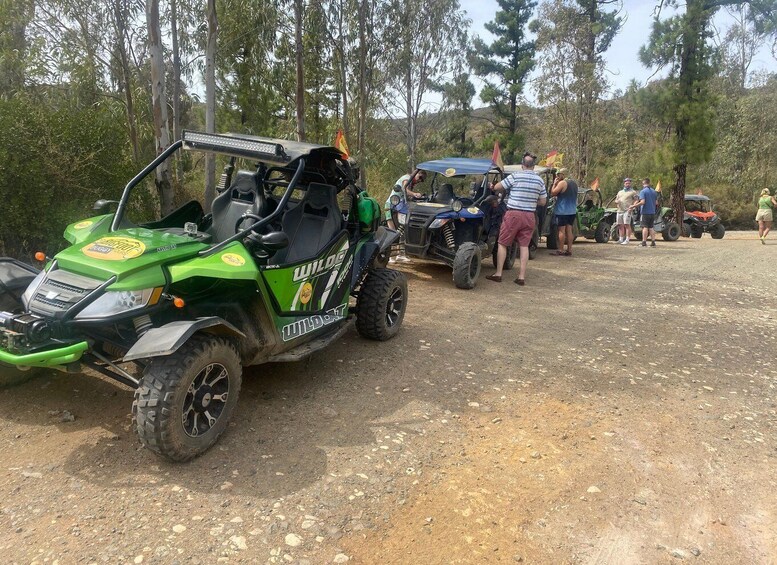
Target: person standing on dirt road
(527, 191)
(647, 200)
(565, 210)
(624, 200)
(765, 214)
(403, 188)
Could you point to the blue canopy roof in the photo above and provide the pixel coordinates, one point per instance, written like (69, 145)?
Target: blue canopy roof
(459, 166)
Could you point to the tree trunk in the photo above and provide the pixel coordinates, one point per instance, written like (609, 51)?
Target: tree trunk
(411, 123)
(361, 126)
(120, 16)
(176, 79)
(210, 101)
(299, 8)
(343, 73)
(509, 154)
(159, 105)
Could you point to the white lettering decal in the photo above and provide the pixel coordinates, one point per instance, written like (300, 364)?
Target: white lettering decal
(312, 323)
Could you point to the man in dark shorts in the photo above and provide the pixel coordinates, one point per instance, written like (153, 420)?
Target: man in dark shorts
(648, 199)
(565, 210)
(527, 191)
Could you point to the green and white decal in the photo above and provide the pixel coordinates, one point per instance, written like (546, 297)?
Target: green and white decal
(313, 285)
(304, 326)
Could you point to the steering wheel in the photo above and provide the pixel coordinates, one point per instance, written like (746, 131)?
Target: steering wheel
(244, 217)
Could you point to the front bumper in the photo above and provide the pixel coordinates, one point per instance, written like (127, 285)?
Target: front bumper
(50, 358)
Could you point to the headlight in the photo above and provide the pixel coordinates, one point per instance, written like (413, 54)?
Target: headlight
(113, 303)
(402, 218)
(32, 289)
(394, 200)
(457, 205)
(439, 222)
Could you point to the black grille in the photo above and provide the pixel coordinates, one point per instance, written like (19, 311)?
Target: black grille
(60, 291)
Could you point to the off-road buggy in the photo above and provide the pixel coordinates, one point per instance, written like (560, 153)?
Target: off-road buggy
(176, 307)
(592, 218)
(458, 222)
(700, 217)
(664, 223)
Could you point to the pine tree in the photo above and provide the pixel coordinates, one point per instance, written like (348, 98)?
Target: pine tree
(504, 65)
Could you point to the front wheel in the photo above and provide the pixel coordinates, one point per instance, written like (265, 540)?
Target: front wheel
(466, 265)
(718, 231)
(185, 399)
(381, 304)
(602, 234)
(11, 376)
(696, 231)
(671, 232)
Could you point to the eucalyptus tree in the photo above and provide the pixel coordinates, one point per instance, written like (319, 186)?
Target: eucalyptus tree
(504, 65)
(429, 41)
(572, 37)
(163, 182)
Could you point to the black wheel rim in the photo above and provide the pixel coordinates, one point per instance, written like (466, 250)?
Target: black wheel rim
(205, 400)
(394, 307)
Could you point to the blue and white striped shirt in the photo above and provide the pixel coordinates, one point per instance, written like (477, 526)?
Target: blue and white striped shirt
(526, 187)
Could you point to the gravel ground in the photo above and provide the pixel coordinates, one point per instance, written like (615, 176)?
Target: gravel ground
(620, 408)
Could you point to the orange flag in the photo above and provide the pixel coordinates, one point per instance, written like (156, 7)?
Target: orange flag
(341, 144)
(658, 186)
(496, 157)
(595, 184)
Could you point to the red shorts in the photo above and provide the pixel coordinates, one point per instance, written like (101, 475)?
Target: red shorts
(517, 225)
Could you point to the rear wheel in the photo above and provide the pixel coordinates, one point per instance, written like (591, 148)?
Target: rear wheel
(185, 399)
(552, 238)
(602, 234)
(381, 304)
(512, 254)
(11, 376)
(685, 230)
(718, 231)
(671, 232)
(466, 265)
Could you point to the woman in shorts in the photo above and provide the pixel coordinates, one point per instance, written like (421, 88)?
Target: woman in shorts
(765, 214)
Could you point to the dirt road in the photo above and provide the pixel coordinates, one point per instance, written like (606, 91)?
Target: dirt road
(620, 408)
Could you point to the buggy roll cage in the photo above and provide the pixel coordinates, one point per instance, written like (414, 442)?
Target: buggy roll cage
(440, 167)
(278, 152)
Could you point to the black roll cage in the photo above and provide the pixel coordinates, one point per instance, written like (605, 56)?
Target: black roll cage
(162, 157)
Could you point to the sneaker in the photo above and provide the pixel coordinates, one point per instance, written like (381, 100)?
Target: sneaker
(653, 244)
(644, 244)
(403, 259)
(763, 240)
(624, 242)
(620, 240)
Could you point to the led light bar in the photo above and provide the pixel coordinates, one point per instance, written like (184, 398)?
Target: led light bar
(233, 145)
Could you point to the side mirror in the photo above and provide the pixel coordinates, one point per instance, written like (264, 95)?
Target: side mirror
(102, 204)
(275, 240)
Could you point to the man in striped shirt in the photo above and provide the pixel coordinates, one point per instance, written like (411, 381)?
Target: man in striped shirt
(526, 192)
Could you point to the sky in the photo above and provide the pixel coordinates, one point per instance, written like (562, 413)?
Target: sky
(623, 56)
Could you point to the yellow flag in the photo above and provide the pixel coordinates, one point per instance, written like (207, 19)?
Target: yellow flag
(496, 157)
(658, 186)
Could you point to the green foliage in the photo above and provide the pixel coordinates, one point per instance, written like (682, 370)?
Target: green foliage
(504, 65)
(54, 163)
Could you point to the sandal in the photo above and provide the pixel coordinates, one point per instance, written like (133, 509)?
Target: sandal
(567, 253)
(519, 282)
(559, 253)
(495, 278)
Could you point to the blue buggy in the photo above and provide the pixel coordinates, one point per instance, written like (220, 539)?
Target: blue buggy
(458, 223)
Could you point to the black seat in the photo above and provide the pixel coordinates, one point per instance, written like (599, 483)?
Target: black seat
(444, 195)
(311, 224)
(242, 196)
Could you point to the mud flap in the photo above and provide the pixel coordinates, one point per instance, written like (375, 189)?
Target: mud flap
(384, 239)
(167, 339)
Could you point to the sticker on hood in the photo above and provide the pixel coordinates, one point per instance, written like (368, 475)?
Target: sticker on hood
(114, 248)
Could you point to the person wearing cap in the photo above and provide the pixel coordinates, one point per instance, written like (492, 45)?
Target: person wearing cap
(765, 214)
(565, 210)
(624, 200)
